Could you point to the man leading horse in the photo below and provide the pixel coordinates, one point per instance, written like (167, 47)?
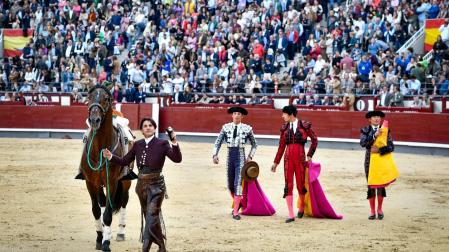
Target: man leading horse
(150, 154)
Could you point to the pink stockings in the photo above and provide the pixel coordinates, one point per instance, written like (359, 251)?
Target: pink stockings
(289, 199)
(380, 200)
(372, 203)
(237, 200)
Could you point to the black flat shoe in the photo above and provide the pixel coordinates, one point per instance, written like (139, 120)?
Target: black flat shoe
(236, 217)
(380, 216)
(372, 217)
(300, 215)
(289, 220)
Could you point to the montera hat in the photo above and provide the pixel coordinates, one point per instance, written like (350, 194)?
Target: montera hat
(375, 113)
(250, 171)
(237, 109)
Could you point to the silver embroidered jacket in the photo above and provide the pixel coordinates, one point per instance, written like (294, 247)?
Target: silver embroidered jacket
(244, 134)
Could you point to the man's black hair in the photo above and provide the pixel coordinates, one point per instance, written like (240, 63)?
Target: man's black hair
(150, 120)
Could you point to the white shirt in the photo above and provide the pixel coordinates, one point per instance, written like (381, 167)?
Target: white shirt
(294, 125)
(444, 29)
(382, 99)
(180, 82)
(211, 4)
(68, 51)
(375, 128)
(280, 43)
(147, 140)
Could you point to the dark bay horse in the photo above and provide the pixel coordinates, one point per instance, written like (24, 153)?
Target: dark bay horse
(108, 193)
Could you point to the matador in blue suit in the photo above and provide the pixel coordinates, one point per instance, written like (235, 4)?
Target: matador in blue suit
(236, 134)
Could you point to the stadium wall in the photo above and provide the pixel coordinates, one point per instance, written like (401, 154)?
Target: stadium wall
(407, 127)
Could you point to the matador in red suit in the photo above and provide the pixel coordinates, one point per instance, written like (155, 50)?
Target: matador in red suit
(294, 134)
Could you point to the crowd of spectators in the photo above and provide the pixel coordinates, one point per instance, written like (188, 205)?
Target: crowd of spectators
(199, 47)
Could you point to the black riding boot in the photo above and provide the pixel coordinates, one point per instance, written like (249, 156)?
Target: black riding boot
(80, 175)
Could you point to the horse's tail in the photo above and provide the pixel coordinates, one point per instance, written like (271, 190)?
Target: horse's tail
(118, 197)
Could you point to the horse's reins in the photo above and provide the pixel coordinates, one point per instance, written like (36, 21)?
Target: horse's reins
(100, 166)
(101, 162)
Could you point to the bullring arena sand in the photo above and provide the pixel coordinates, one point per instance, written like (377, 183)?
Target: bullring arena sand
(44, 209)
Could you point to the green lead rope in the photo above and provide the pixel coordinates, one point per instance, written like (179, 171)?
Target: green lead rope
(100, 165)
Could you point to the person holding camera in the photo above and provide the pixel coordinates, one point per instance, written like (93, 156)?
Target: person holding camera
(150, 154)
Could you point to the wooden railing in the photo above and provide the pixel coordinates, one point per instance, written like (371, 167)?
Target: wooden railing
(318, 107)
(428, 109)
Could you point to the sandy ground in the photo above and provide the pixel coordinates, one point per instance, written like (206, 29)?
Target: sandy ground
(44, 209)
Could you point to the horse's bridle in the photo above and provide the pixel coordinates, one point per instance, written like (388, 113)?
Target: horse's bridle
(96, 104)
(103, 110)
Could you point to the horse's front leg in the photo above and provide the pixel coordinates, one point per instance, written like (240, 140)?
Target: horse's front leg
(107, 233)
(121, 225)
(102, 202)
(107, 217)
(97, 212)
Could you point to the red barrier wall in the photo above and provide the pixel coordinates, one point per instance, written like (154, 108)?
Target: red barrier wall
(410, 127)
(145, 110)
(62, 117)
(131, 112)
(43, 117)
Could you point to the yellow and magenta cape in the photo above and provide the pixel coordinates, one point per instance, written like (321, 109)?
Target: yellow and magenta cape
(382, 168)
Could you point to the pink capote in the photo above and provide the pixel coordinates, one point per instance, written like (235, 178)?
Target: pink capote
(315, 198)
(254, 201)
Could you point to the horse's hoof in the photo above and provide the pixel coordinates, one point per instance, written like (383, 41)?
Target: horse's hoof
(120, 237)
(98, 241)
(98, 246)
(106, 246)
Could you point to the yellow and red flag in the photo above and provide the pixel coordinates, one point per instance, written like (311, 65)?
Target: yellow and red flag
(432, 30)
(14, 41)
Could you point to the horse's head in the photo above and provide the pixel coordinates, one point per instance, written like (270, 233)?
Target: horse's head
(100, 102)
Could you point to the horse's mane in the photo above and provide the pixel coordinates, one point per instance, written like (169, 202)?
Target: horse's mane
(102, 87)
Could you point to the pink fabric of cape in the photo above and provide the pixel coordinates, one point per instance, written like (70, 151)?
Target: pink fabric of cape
(254, 201)
(321, 208)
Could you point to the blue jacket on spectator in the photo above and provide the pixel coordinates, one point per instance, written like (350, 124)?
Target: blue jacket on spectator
(139, 97)
(317, 102)
(284, 43)
(67, 76)
(373, 48)
(364, 67)
(116, 20)
(268, 67)
(166, 66)
(443, 88)
(433, 11)
(129, 94)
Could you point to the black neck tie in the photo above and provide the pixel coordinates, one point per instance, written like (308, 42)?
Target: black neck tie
(235, 132)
